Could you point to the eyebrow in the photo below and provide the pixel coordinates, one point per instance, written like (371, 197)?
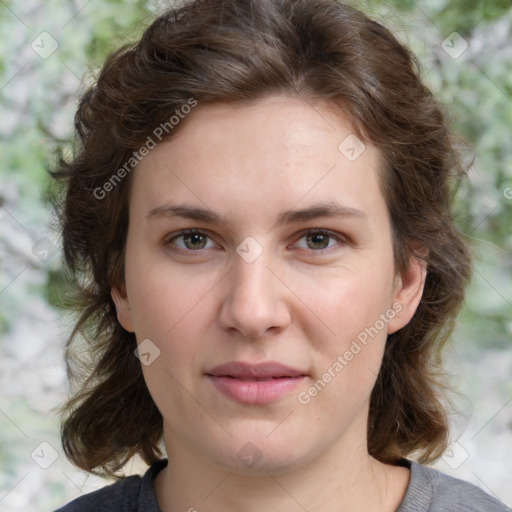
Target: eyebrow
(330, 209)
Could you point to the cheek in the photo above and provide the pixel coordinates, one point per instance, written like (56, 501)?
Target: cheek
(349, 303)
(176, 308)
(174, 312)
(164, 298)
(347, 360)
(347, 363)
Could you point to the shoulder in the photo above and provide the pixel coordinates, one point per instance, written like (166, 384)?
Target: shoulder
(116, 496)
(131, 494)
(432, 491)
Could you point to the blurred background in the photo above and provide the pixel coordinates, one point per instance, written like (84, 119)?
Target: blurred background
(50, 53)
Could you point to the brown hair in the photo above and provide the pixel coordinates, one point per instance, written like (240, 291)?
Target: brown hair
(240, 51)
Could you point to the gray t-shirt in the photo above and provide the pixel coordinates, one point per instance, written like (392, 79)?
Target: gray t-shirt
(429, 490)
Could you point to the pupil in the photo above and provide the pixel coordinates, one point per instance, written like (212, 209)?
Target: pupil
(194, 239)
(319, 240)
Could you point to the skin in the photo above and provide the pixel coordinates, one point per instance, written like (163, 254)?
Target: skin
(295, 304)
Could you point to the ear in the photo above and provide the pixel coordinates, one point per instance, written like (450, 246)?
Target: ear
(408, 291)
(124, 313)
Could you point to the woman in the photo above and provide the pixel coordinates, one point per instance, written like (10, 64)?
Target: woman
(259, 222)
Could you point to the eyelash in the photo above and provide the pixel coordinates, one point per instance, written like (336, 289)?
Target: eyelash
(314, 231)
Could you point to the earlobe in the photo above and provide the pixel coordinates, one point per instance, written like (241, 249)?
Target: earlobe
(124, 313)
(408, 292)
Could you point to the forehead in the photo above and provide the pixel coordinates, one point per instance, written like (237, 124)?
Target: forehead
(280, 126)
(277, 151)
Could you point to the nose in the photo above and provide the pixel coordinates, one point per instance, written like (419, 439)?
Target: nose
(254, 304)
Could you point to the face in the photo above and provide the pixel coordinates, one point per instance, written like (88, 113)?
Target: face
(260, 284)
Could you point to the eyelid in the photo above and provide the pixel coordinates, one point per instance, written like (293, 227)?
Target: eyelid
(340, 239)
(172, 236)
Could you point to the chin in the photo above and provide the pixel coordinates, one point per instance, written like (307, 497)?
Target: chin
(260, 454)
(251, 460)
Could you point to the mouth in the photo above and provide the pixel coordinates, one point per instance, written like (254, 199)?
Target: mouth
(262, 371)
(255, 383)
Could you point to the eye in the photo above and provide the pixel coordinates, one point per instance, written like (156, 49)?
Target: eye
(320, 240)
(191, 240)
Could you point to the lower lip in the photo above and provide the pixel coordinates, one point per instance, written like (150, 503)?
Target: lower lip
(255, 391)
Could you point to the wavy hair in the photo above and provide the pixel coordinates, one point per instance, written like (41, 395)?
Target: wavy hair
(241, 51)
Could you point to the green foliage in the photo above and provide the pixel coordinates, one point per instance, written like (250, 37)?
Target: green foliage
(453, 14)
(476, 90)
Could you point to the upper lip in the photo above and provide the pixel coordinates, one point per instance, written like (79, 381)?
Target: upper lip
(265, 370)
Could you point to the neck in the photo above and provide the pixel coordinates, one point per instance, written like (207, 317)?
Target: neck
(347, 477)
